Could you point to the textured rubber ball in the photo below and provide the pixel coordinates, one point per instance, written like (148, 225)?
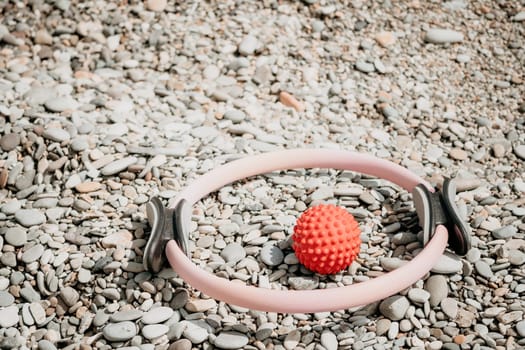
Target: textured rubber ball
(326, 239)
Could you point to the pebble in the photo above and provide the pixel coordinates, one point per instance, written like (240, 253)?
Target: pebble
(437, 286)
(292, 339)
(443, 36)
(32, 254)
(6, 299)
(44, 344)
(61, 104)
(153, 331)
(86, 187)
(504, 232)
(9, 142)
(290, 101)
(231, 340)
(129, 315)
(329, 340)
(156, 5)
(394, 307)
(418, 295)
(9, 316)
(200, 305)
(156, 315)
(69, 295)
(195, 333)
(233, 253)
(119, 332)
(235, 115)
(248, 45)
(520, 328)
(519, 151)
(450, 307)
(56, 134)
(118, 166)
(483, 269)
(385, 39)
(16, 236)
(181, 344)
(516, 257)
(364, 67)
(271, 255)
(30, 217)
(448, 264)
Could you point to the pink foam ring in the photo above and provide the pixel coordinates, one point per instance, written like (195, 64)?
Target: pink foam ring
(304, 301)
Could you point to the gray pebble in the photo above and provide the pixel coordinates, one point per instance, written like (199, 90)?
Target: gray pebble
(448, 264)
(418, 295)
(38, 312)
(181, 344)
(69, 295)
(364, 66)
(449, 306)
(61, 104)
(157, 315)
(235, 115)
(394, 307)
(11, 207)
(520, 328)
(44, 344)
(443, 36)
(195, 333)
(118, 166)
(6, 299)
(121, 331)
(233, 253)
(32, 254)
(303, 282)
(29, 217)
(504, 232)
(516, 257)
(437, 286)
(248, 45)
(84, 276)
(271, 255)
(153, 331)
(79, 145)
(9, 316)
(16, 236)
(329, 340)
(231, 340)
(483, 269)
(519, 151)
(56, 134)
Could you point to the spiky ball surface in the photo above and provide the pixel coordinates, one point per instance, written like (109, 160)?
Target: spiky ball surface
(326, 239)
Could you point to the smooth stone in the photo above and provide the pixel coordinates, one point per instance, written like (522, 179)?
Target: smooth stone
(29, 217)
(437, 286)
(121, 331)
(394, 307)
(519, 151)
(60, 104)
(364, 67)
(233, 253)
(181, 344)
(418, 295)
(390, 264)
(79, 145)
(56, 134)
(157, 315)
(153, 331)
(195, 334)
(505, 232)
(127, 315)
(6, 299)
(38, 312)
(156, 5)
(516, 257)
(520, 328)
(84, 275)
(38, 95)
(231, 340)
(443, 36)
(32, 254)
(329, 340)
(9, 142)
(118, 166)
(9, 316)
(271, 255)
(483, 269)
(449, 306)
(235, 115)
(200, 305)
(292, 339)
(303, 282)
(382, 326)
(248, 45)
(448, 264)
(44, 344)
(228, 229)
(16, 236)
(69, 295)
(11, 207)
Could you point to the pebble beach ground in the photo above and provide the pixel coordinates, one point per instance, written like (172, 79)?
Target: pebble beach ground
(107, 104)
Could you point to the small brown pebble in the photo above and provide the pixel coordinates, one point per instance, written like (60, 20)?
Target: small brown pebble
(9, 142)
(156, 5)
(385, 39)
(4, 174)
(290, 101)
(89, 186)
(458, 154)
(499, 150)
(459, 339)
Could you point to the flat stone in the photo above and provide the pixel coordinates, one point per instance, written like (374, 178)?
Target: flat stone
(44, 344)
(516, 257)
(118, 166)
(520, 328)
(449, 306)
(121, 331)
(32, 254)
(153, 331)
(181, 344)
(9, 316)
(56, 134)
(30, 217)
(9, 142)
(248, 45)
(394, 307)
(458, 154)
(127, 315)
(61, 104)
(89, 186)
(483, 269)
(519, 151)
(505, 232)
(231, 340)
(364, 67)
(418, 295)
(84, 275)
(329, 340)
(156, 5)
(385, 39)
(195, 334)
(235, 115)
(303, 282)
(448, 264)
(121, 238)
(443, 36)
(233, 253)
(200, 305)
(292, 339)
(157, 315)
(382, 326)
(38, 312)
(11, 207)
(437, 286)
(271, 255)
(69, 295)
(6, 299)
(16, 236)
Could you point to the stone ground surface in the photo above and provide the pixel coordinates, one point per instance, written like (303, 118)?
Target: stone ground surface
(107, 104)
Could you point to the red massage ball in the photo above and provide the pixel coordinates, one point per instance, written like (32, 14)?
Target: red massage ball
(326, 239)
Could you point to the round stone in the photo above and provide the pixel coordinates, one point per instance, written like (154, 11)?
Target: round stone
(29, 217)
(153, 331)
(520, 328)
(16, 236)
(394, 307)
(156, 5)
(181, 344)
(419, 296)
(231, 340)
(235, 115)
(248, 45)
(44, 344)
(9, 316)
(121, 331)
(33, 253)
(233, 253)
(6, 299)
(271, 255)
(157, 315)
(9, 142)
(437, 286)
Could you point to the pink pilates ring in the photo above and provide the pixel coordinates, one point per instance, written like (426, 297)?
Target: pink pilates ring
(436, 210)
